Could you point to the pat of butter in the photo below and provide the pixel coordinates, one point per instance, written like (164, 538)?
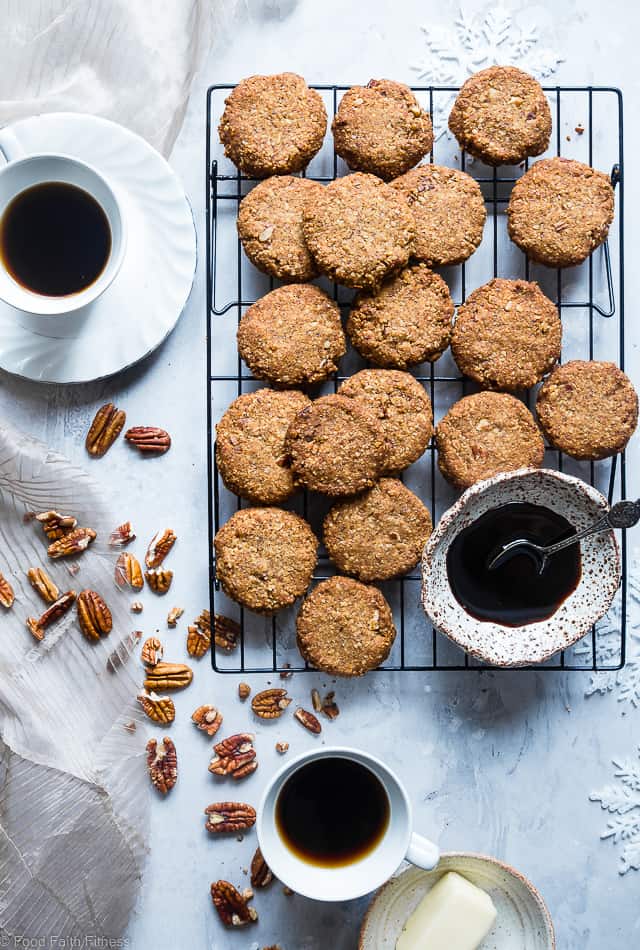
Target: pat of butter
(454, 915)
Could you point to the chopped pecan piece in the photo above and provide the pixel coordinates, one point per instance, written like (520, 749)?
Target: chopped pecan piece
(42, 584)
(308, 720)
(198, 640)
(329, 706)
(128, 572)
(94, 616)
(282, 747)
(244, 691)
(287, 891)
(229, 817)
(159, 581)
(123, 651)
(168, 676)
(232, 906)
(104, 430)
(261, 873)
(234, 756)
(55, 525)
(162, 764)
(136, 607)
(160, 709)
(159, 546)
(316, 702)
(7, 595)
(226, 632)
(208, 719)
(123, 534)
(152, 651)
(270, 703)
(37, 626)
(149, 439)
(285, 672)
(75, 542)
(174, 615)
(130, 726)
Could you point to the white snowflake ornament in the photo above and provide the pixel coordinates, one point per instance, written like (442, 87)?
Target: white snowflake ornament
(622, 802)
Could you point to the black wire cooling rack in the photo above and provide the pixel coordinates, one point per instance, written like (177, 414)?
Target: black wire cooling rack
(588, 125)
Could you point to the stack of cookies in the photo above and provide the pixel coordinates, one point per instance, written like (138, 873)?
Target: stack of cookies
(381, 231)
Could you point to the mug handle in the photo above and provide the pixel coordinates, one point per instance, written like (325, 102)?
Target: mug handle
(10, 146)
(422, 852)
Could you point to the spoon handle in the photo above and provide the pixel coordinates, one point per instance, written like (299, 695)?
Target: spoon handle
(624, 514)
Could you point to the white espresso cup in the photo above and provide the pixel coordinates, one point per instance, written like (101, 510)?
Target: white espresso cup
(21, 172)
(399, 842)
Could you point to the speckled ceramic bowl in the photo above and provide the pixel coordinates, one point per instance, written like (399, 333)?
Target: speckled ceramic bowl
(523, 919)
(492, 642)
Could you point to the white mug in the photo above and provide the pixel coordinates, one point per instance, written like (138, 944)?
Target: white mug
(23, 171)
(349, 881)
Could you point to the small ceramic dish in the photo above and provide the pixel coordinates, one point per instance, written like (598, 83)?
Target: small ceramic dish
(523, 920)
(501, 645)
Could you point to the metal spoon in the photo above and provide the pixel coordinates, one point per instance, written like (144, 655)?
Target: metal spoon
(624, 514)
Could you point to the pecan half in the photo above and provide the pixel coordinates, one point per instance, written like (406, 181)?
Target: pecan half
(270, 703)
(282, 747)
(308, 720)
(128, 572)
(107, 425)
(75, 542)
(174, 615)
(149, 439)
(123, 534)
(7, 595)
(261, 873)
(168, 676)
(229, 817)
(162, 764)
(160, 709)
(159, 546)
(207, 718)
(94, 616)
(226, 632)
(37, 626)
(55, 525)
(152, 651)
(198, 641)
(42, 584)
(244, 691)
(234, 756)
(123, 651)
(159, 581)
(232, 906)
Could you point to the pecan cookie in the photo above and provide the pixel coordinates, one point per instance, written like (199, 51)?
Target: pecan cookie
(448, 212)
(381, 128)
(272, 125)
(358, 230)
(293, 336)
(560, 211)
(588, 409)
(379, 534)
(405, 322)
(484, 434)
(507, 335)
(336, 446)
(265, 558)
(344, 627)
(501, 116)
(250, 451)
(401, 406)
(270, 227)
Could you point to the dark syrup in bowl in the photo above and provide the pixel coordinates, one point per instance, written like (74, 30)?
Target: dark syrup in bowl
(513, 594)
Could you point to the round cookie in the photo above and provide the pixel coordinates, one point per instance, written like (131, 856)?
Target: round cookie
(336, 446)
(484, 434)
(401, 406)
(270, 227)
(265, 558)
(588, 409)
(560, 211)
(381, 128)
(407, 321)
(448, 210)
(501, 116)
(293, 336)
(358, 230)
(379, 534)
(507, 335)
(272, 125)
(250, 438)
(345, 628)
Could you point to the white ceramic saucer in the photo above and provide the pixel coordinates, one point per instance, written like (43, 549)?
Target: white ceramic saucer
(145, 301)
